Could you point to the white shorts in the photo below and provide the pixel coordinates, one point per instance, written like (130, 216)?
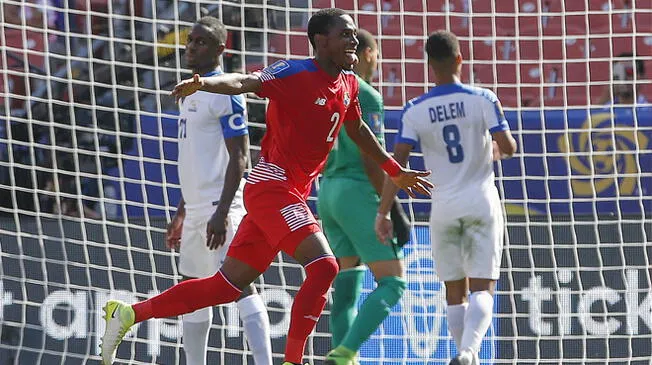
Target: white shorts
(195, 259)
(468, 244)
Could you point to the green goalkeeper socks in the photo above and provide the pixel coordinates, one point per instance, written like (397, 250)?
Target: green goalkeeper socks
(347, 284)
(373, 311)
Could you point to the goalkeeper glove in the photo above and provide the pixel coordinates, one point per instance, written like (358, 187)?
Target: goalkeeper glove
(400, 224)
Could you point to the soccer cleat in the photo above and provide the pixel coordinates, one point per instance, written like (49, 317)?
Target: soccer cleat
(340, 356)
(119, 318)
(465, 357)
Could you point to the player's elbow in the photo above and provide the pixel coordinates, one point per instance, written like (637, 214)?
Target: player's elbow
(240, 161)
(353, 129)
(249, 84)
(509, 149)
(234, 87)
(506, 143)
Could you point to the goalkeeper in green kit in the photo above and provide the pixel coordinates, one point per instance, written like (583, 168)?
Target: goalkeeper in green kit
(347, 206)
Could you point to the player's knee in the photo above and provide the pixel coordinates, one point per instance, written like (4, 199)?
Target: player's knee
(343, 298)
(395, 287)
(483, 301)
(219, 283)
(478, 285)
(247, 291)
(322, 270)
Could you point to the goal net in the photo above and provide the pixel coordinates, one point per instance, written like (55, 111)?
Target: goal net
(88, 173)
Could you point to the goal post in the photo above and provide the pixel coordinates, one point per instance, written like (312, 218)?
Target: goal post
(88, 174)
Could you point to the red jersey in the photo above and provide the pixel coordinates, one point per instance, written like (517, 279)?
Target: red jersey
(306, 109)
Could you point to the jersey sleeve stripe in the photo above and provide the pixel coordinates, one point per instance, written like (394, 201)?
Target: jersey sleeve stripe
(401, 137)
(499, 114)
(264, 75)
(502, 126)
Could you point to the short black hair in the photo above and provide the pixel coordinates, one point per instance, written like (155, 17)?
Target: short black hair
(442, 45)
(217, 28)
(321, 22)
(640, 65)
(366, 40)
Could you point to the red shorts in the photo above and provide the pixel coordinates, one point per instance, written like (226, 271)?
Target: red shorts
(278, 218)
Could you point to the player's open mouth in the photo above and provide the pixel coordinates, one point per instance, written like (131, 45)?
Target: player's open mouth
(351, 57)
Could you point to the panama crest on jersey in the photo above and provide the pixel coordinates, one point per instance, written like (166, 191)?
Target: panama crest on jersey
(347, 99)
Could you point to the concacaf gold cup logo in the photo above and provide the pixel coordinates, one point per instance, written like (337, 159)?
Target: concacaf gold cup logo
(603, 156)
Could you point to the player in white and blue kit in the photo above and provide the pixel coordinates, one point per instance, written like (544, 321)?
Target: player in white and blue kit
(213, 152)
(461, 131)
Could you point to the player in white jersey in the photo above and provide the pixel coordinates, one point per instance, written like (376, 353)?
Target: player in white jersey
(454, 124)
(213, 152)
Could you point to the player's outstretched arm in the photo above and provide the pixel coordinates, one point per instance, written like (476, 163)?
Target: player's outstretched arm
(228, 84)
(409, 180)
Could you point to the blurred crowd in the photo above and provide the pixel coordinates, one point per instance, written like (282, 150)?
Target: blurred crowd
(78, 78)
(80, 72)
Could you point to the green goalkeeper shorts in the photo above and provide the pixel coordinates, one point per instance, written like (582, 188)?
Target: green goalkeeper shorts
(347, 209)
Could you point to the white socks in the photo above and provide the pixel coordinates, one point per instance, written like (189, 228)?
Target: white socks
(455, 316)
(477, 320)
(195, 335)
(255, 321)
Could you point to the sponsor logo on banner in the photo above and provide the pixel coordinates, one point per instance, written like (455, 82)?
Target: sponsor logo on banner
(601, 155)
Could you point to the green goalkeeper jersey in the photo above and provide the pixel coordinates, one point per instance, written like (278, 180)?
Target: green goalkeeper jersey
(345, 160)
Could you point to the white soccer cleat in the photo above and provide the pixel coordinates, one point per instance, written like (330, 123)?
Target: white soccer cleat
(119, 318)
(465, 357)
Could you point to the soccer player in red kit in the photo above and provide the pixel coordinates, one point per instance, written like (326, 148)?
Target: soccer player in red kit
(309, 101)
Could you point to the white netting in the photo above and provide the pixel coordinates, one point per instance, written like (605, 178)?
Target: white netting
(88, 174)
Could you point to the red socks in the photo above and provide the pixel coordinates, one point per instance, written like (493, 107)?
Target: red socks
(308, 304)
(186, 297)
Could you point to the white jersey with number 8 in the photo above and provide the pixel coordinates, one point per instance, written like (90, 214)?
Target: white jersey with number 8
(452, 124)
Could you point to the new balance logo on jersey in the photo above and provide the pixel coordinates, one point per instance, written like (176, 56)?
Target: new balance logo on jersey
(320, 101)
